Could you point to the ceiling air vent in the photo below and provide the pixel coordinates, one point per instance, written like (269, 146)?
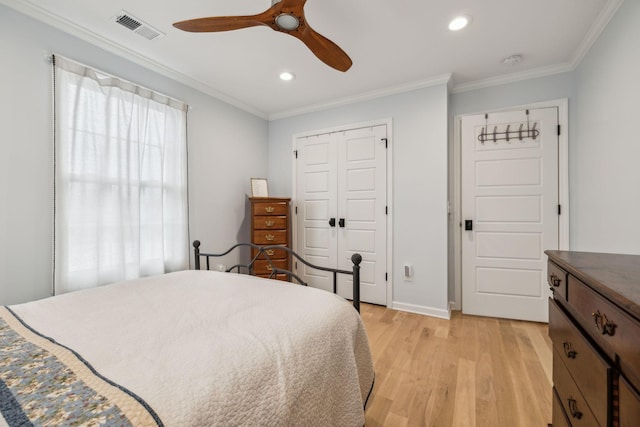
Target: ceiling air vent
(137, 26)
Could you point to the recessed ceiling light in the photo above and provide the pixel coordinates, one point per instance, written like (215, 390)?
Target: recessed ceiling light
(459, 22)
(286, 76)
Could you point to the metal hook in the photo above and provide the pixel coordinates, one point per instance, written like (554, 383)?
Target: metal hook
(482, 135)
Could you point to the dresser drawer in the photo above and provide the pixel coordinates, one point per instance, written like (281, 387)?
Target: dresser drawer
(269, 237)
(270, 208)
(629, 408)
(273, 253)
(264, 267)
(559, 417)
(557, 279)
(266, 222)
(572, 400)
(589, 371)
(614, 330)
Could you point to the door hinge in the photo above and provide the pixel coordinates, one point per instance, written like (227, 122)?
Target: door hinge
(558, 130)
(386, 210)
(559, 209)
(386, 142)
(296, 153)
(296, 210)
(386, 277)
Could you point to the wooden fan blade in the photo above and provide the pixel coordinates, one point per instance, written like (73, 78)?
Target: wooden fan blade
(221, 23)
(326, 50)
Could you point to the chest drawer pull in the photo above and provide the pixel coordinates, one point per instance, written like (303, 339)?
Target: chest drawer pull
(270, 237)
(270, 252)
(269, 223)
(603, 325)
(568, 350)
(269, 209)
(573, 408)
(269, 267)
(555, 280)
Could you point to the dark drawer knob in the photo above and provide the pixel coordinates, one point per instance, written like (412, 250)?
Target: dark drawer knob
(573, 408)
(555, 280)
(568, 350)
(603, 325)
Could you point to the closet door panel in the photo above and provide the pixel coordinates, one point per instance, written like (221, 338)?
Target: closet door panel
(362, 177)
(316, 184)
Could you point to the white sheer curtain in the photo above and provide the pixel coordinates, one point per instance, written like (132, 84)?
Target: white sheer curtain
(120, 180)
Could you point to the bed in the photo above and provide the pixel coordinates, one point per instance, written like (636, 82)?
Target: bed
(190, 348)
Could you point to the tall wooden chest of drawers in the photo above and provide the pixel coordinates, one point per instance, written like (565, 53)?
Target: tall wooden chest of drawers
(594, 324)
(270, 225)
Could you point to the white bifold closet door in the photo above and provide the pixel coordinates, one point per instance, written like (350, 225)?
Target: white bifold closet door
(341, 193)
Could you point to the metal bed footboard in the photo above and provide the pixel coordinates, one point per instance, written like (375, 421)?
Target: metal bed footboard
(356, 259)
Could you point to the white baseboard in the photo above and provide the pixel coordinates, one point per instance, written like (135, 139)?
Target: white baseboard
(420, 309)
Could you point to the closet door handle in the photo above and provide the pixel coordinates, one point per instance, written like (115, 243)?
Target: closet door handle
(332, 222)
(341, 222)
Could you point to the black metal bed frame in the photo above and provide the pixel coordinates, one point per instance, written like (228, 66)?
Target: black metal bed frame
(356, 259)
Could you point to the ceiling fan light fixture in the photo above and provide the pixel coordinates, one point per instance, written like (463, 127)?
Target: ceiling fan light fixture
(287, 76)
(459, 22)
(288, 22)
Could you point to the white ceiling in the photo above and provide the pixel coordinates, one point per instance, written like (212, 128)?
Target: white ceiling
(395, 45)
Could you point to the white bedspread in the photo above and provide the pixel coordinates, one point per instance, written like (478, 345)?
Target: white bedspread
(204, 348)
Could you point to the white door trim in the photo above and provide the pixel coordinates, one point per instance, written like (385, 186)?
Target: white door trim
(389, 225)
(563, 185)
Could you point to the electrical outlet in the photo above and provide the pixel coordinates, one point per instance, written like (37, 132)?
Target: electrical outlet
(408, 272)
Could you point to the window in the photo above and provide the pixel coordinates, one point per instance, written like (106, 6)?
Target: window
(120, 180)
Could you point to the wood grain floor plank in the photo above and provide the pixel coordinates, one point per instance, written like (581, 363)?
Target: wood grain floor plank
(466, 371)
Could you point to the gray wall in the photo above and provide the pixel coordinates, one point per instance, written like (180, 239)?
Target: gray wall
(419, 209)
(605, 146)
(220, 136)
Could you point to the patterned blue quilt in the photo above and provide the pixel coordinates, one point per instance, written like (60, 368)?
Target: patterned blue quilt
(43, 383)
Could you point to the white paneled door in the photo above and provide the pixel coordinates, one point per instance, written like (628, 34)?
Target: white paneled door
(341, 193)
(509, 212)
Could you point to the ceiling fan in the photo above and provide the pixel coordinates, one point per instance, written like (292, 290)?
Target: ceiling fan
(286, 16)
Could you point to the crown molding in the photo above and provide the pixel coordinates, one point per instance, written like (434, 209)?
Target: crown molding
(594, 32)
(513, 77)
(444, 79)
(28, 8)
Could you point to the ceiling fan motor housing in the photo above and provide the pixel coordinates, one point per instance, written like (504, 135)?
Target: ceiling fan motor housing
(287, 22)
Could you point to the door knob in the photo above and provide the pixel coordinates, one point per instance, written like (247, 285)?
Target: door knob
(341, 222)
(332, 222)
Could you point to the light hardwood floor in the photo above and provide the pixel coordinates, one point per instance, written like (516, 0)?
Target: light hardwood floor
(467, 371)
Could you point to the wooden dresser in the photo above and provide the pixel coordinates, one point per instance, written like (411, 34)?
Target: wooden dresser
(270, 224)
(594, 324)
